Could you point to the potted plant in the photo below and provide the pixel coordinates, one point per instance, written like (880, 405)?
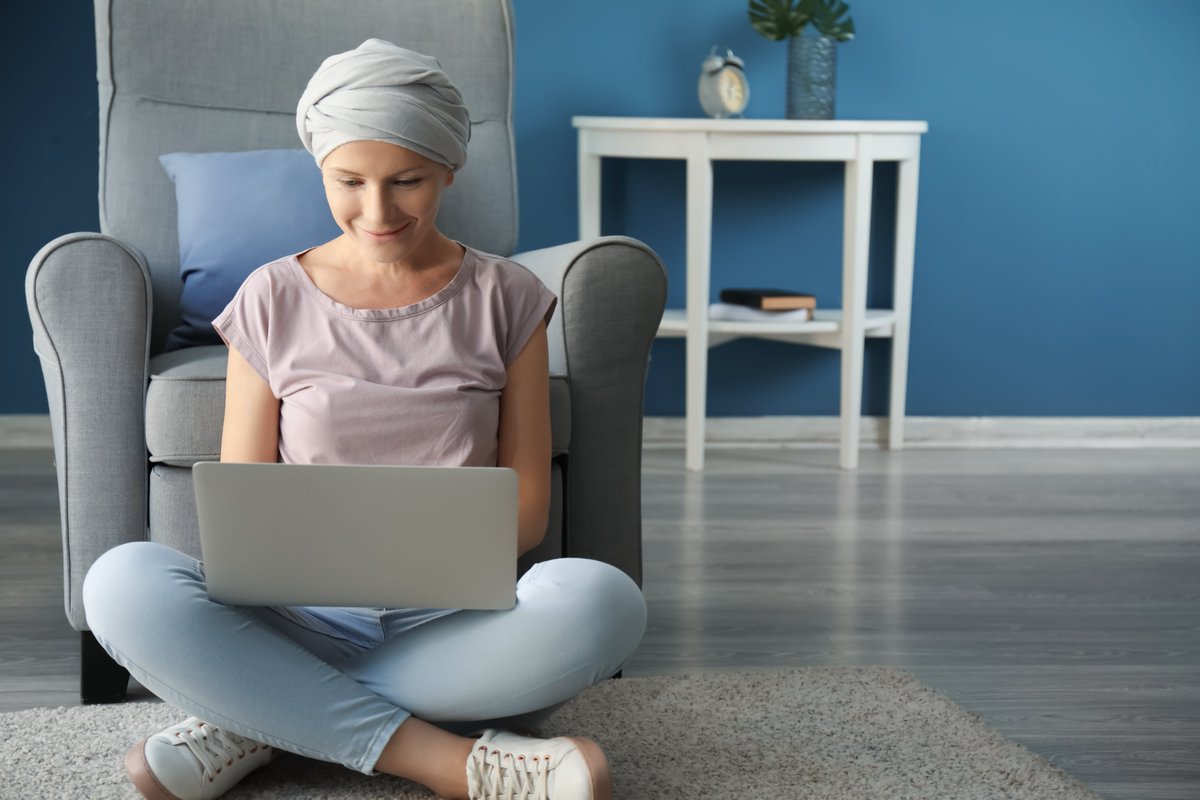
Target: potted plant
(812, 60)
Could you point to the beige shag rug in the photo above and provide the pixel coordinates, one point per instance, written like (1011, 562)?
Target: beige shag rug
(838, 732)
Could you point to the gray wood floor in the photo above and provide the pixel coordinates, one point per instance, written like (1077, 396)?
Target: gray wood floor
(1054, 593)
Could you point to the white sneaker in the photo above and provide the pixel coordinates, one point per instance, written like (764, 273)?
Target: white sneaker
(505, 765)
(193, 761)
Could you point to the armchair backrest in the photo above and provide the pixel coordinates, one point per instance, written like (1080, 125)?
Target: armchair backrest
(225, 75)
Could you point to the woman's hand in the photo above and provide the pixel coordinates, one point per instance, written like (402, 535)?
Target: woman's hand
(525, 437)
(251, 430)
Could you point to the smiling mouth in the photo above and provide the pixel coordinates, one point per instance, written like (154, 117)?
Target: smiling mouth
(386, 234)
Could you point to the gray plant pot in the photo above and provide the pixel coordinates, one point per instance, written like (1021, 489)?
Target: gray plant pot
(812, 77)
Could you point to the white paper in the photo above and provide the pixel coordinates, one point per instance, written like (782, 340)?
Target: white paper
(731, 311)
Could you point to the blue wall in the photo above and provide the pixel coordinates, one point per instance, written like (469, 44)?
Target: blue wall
(1058, 242)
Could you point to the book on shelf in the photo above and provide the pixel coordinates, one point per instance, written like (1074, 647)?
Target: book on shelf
(769, 299)
(736, 313)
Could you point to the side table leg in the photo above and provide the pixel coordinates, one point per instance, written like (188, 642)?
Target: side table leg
(906, 239)
(699, 251)
(589, 190)
(855, 249)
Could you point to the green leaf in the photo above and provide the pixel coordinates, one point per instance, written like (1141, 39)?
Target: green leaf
(825, 18)
(778, 19)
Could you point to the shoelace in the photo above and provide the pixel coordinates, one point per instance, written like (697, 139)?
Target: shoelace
(516, 780)
(198, 737)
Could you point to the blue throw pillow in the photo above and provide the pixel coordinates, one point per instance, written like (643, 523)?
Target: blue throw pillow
(238, 211)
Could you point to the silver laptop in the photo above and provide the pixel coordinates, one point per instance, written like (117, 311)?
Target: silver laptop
(373, 536)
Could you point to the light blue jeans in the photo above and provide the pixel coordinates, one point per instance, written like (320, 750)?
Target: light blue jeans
(335, 684)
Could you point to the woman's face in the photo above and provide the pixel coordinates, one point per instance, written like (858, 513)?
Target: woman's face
(384, 197)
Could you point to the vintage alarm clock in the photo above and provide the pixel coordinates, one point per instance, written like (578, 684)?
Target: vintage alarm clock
(724, 90)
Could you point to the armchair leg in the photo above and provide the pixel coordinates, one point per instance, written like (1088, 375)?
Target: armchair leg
(101, 680)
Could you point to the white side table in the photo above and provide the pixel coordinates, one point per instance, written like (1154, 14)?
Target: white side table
(702, 141)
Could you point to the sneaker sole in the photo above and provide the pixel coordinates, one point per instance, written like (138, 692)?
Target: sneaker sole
(597, 763)
(142, 776)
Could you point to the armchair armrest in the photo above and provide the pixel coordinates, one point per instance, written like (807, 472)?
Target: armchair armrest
(90, 304)
(612, 292)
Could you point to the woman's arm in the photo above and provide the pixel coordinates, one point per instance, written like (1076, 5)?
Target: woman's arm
(251, 430)
(525, 437)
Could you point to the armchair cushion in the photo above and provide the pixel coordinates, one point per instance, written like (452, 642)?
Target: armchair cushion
(237, 211)
(185, 407)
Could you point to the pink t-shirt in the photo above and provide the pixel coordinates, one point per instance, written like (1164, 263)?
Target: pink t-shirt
(415, 385)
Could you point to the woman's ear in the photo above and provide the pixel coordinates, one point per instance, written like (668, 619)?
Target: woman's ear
(449, 177)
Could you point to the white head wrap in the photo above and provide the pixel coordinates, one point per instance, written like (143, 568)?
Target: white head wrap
(384, 93)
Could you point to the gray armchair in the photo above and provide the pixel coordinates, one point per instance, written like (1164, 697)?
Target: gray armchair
(129, 421)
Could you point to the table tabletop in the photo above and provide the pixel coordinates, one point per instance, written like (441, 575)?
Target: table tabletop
(752, 125)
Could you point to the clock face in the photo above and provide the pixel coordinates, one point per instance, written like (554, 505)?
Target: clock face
(731, 85)
(723, 89)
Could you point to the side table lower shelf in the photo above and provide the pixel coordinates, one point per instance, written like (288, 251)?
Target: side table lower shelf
(825, 329)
